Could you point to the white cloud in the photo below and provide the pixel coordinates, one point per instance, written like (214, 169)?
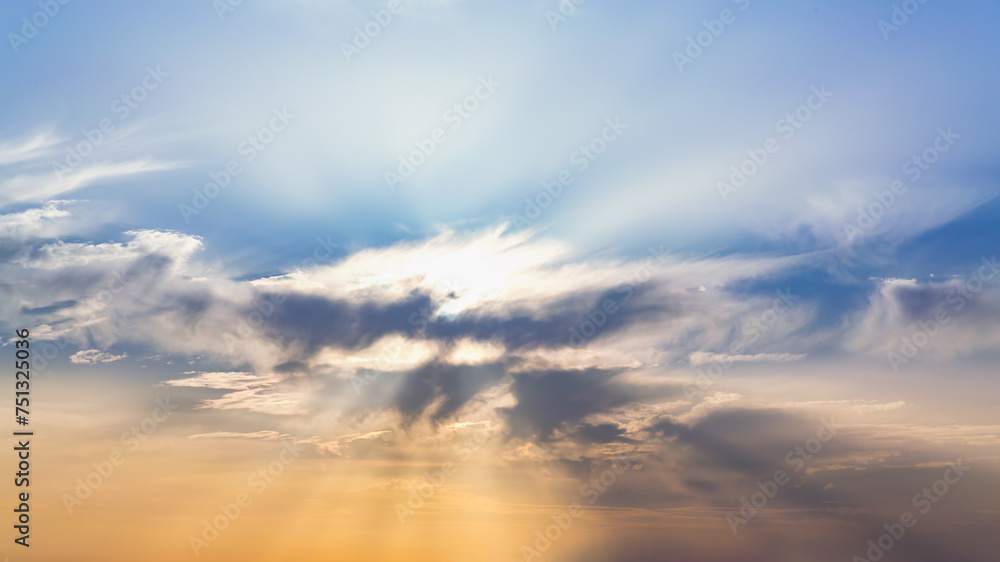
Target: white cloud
(26, 149)
(32, 221)
(66, 255)
(225, 381)
(44, 185)
(91, 356)
(703, 358)
(263, 400)
(151, 290)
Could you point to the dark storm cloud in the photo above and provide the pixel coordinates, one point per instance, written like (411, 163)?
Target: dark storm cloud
(555, 328)
(919, 302)
(746, 441)
(188, 308)
(311, 323)
(972, 300)
(140, 275)
(450, 385)
(829, 525)
(56, 306)
(550, 400)
(291, 367)
(436, 390)
(601, 434)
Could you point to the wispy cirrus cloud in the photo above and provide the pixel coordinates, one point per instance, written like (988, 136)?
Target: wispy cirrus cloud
(29, 148)
(264, 435)
(224, 380)
(36, 170)
(42, 186)
(703, 358)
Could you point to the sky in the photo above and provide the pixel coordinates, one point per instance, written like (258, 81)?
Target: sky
(531, 280)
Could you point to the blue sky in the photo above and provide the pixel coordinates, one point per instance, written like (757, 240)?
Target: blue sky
(558, 86)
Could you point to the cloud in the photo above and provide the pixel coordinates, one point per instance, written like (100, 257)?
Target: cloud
(940, 319)
(35, 170)
(453, 316)
(552, 400)
(265, 400)
(54, 220)
(91, 356)
(703, 358)
(42, 186)
(369, 435)
(447, 387)
(749, 441)
(28, 148)
(602, 433)
(266, 435)
(454, 349)
(30, 222)
(472, 325)
(225, 380)
(257, 392)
